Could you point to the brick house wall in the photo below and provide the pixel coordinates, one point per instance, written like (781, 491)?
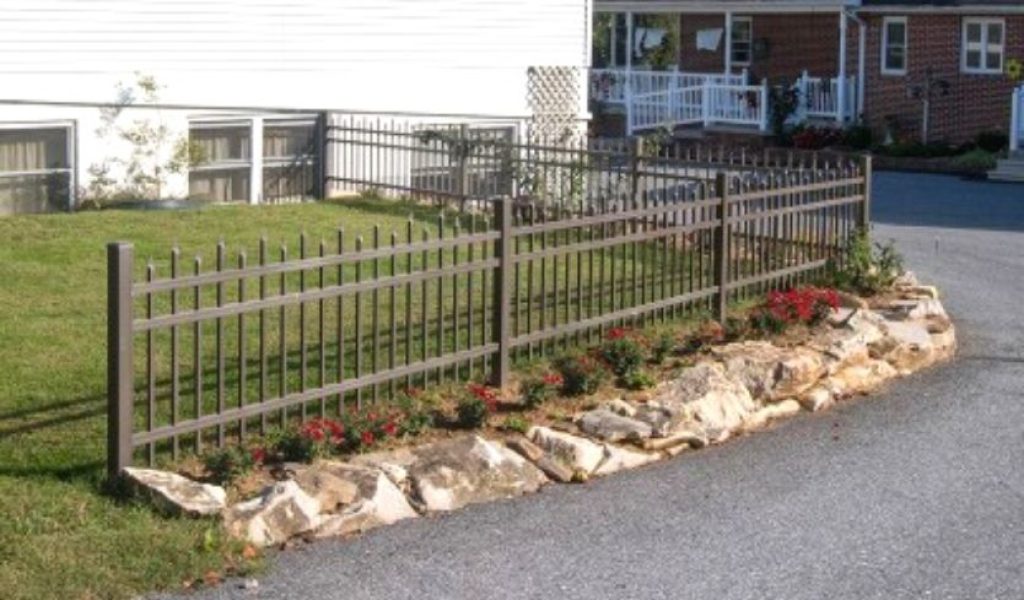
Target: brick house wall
(796, 42)
(975, 102)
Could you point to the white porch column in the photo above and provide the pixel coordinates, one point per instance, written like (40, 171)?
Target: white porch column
(256, 161)
(841, 76)
(1015, 118)
(727, 44)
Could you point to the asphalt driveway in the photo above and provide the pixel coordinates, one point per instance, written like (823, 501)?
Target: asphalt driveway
(915, 492)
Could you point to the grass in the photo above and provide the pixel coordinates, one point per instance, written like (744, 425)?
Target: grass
(59, 535)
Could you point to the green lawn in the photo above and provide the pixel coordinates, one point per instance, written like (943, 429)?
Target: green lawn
(60, 536)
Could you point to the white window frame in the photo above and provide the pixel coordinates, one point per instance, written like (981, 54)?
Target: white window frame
(750, 42)
(983, 47)
(220, 165)
(886, 21)
(71, 139)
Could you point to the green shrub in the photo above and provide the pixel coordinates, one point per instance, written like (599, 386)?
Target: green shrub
(977, 160)
(992, 141)
(622, 350)
(416, 417)
(228, 464)
(581, 374)
(516, 423)
(663, 344)
(858, 137)
(638, 379)
(474, 407)
(539, 390)
(868, 268)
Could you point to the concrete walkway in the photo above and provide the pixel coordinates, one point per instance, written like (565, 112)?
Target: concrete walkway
(916, 492)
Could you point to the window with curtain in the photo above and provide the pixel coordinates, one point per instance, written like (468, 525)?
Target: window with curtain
(742, 43)
(983, 46)
(894, 46)
(35, 170)
(225, 169)
(289, 160)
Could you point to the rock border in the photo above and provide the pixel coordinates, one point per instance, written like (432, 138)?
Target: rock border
(738, 388)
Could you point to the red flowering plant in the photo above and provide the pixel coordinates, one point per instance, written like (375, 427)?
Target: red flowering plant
(623, 350)
(581, 373)
(475, 406)
(539, 390)
(310, 440)
(366, 428)
(806, 305)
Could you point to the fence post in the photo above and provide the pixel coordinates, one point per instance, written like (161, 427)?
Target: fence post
(322, 146)
(501, 327)
(865, 206)
(120, 378)
(722, 247)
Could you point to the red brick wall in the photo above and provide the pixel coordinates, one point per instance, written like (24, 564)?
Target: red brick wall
(975, 102)
(795, 42)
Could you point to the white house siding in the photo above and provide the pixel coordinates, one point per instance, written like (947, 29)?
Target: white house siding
(431, 56)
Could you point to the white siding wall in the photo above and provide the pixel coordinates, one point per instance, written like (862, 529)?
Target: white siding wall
(453, 56)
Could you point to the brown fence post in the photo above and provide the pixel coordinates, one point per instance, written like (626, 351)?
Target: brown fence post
(120, 378)
(722, 247)
(865, 205)
(636, 149)
(501, 327)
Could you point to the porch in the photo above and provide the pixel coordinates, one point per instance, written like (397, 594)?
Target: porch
(670, 64)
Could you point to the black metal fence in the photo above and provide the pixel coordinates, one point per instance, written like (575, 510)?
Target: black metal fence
(555, 245)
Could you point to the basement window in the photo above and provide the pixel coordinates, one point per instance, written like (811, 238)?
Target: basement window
(983, 46)
(225, 168)
(36, 173)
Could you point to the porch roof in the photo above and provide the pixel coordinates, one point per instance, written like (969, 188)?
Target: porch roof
(711, 6)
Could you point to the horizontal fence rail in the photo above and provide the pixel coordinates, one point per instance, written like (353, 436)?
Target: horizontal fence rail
(202, 356)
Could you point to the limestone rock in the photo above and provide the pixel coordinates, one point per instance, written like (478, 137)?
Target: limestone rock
(944, 344)
(611, 427)
(620, 459)
(662, 421)
(907, 346)
(848, 343)
(620, 407)
(450, 474)
(704, 392)
(762, 416)
(863, 377)
(176, 495)
(818, 398)
(282, 511)
(906, 279)
(377, 502)
(692, 435)
(915, 309)
(577, 453)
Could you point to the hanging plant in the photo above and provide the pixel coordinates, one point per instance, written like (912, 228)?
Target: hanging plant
(1014, 69)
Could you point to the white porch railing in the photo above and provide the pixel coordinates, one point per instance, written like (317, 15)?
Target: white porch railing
(820, 98)
(1017, 120)
(614, 86)
(707, 104)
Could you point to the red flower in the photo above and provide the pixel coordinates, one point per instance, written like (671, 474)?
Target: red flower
(367, 438)
(390, 428)
(617, 333)
(485, 394)
(553, 379)
(259, 455)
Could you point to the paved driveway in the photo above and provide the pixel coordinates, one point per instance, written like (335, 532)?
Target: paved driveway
(916, 492)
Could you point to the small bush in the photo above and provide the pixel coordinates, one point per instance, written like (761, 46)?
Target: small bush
(581, 374)
(638, 379)
(816, 138)
(311, 440)
(977, 160)
(992, 141)
(662, 345)
(858, 137)
(473, 408)
(228, 464)
(540, 390)
(807, 305)
(622, 350)
(868, 269)
(415, 417)
(516, 423)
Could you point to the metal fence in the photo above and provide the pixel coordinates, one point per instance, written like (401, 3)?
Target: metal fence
(582, 240)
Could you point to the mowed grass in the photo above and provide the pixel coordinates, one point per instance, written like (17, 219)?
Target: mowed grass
(60, 536)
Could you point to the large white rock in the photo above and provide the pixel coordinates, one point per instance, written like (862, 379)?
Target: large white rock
(862, 377)
(281, 512)
(766, 414)
(176, 495)
(907, 346)
(848, 341)
(771, 372)
(705, 393)
(579, 454)
(620, 459)
(377, 501)
(450, 474)
(612, 427)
